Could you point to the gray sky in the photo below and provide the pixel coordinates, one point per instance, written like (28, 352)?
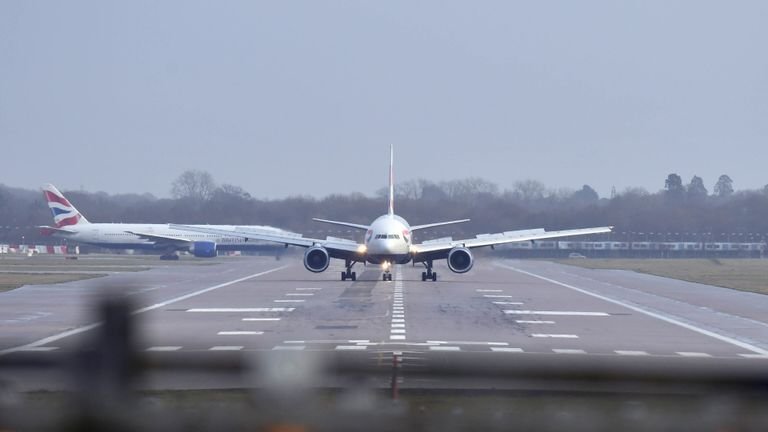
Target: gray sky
(290, 97)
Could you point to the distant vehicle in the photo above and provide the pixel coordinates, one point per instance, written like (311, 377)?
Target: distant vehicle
(576, 255)
(388, 241)
(72, 225)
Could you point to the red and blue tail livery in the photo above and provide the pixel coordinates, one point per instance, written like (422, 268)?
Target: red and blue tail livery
(64, 213)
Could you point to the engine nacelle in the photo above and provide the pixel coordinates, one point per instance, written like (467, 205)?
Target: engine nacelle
(460, 260)
(316, 259)
(203, 249)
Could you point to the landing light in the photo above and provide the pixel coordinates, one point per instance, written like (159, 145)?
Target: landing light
(362, 249)
(386, 265)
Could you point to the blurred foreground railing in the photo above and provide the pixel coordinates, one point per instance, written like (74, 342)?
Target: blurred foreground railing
(107, 384)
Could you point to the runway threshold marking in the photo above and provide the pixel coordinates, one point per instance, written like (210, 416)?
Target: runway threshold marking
(656, 315)
(85, 328)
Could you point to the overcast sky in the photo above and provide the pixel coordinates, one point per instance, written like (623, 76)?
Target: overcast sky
(290, 97)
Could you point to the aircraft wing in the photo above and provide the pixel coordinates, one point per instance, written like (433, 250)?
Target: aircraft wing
(162, 239)
(336, 247)
(346, 224)
(436, 249)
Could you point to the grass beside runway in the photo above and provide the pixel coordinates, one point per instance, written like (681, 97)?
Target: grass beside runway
(9, 281)
(741, 274)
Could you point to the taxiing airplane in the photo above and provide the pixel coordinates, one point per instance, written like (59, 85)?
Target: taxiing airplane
(388, 240)
(72, 225)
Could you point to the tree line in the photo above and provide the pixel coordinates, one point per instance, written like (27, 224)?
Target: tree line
(197, 198)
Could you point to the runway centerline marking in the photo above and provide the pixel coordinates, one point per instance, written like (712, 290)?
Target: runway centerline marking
(656, 315)
(92, 326)
(489, 290)
(225, 348)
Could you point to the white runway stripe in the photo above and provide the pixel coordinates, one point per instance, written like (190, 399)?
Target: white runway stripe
(225, 348)
(496, 296)
(39, 349)
(506, 349)
(88, 327)
(288, 348)
(239, 332)
(236, 310)
(534, 322)
(396, 337)
(631, 353)
(549, 312)
(693, 354)
(561, 336)
(754, 356)
(261, 319)
(507, 303)
(289, 301)
(350, 347)
(444, 348)
(658, 316)
(568, 351)
(164, 348)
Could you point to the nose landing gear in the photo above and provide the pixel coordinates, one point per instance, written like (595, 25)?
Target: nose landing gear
(387, 275)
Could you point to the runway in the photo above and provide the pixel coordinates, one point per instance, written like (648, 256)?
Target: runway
(510, 308)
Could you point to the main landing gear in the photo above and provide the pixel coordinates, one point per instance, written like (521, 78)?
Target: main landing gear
(429, 274)
(386, 276)
(349, 274)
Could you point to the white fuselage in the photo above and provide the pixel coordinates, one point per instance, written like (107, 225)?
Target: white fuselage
(118, 235)
(388, 240)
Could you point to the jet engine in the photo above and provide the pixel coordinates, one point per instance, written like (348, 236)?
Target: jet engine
(203, 249)
(460, 260)
(316, 259)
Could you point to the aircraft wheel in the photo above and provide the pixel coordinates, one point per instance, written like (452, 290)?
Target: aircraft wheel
(434, 276)
(423, 276)
(343, 276)
(354, 276)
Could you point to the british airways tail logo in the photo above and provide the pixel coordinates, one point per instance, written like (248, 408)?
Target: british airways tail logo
(64, 213)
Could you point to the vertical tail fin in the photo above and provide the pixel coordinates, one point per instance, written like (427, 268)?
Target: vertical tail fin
(391, 210)
(64, 213)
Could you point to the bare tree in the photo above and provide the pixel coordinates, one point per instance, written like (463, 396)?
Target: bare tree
(197, 185)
